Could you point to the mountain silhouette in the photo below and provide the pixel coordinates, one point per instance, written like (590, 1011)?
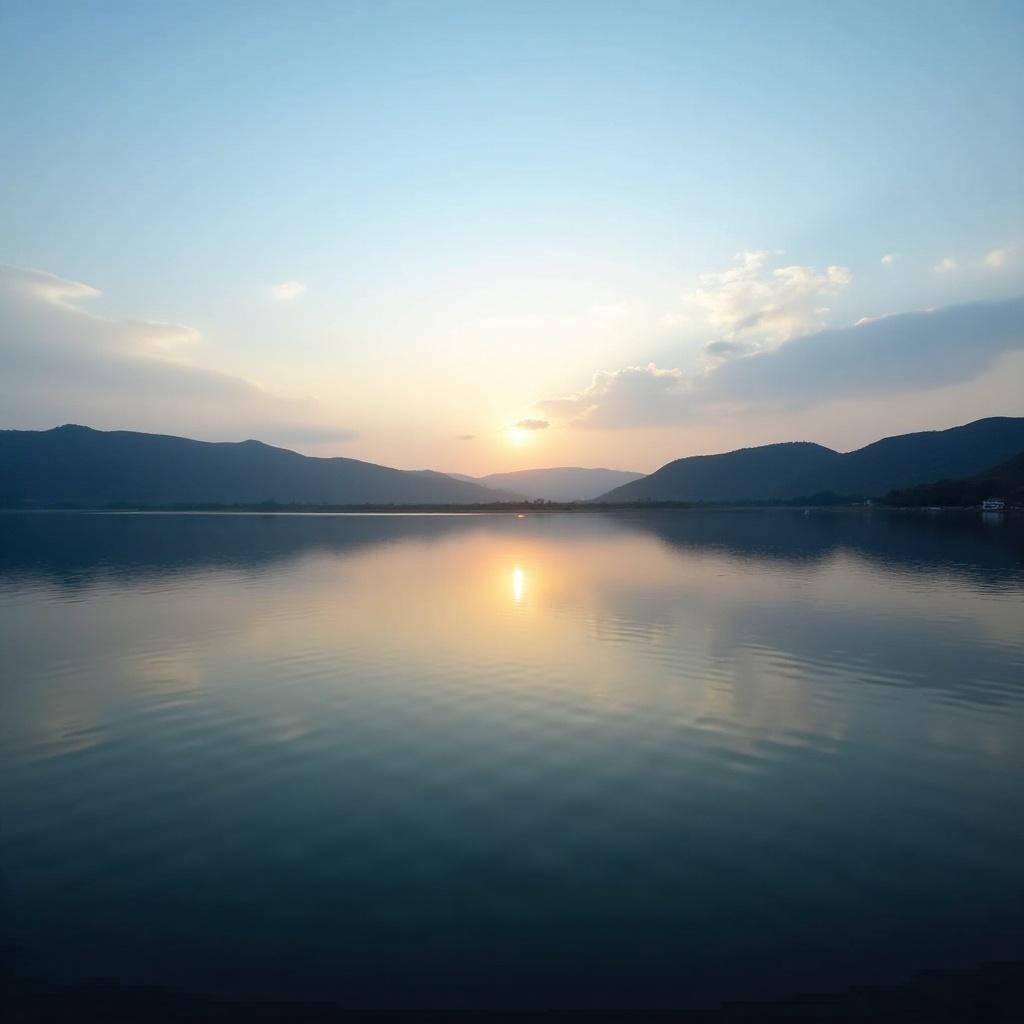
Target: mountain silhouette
(1005, 481)
(562, 483)
(81, 467)
(75, 466)
(781, 472)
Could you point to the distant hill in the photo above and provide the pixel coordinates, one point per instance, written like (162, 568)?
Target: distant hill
(782, 472)
(80, 467)
(750, 474)
(73, 466)
(564, 483)
(1004, 481)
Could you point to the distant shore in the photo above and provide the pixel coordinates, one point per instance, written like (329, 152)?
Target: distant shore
(499, 508)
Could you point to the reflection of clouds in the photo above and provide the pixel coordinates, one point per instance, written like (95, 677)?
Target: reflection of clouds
(754, 649)
(910, 550)
(794, 670)
(163, 674)
(66, 707)
(849, 594)
(50, 729)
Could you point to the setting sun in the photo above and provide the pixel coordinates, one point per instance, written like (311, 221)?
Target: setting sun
(517, 435)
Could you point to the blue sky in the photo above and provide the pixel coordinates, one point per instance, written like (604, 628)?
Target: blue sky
(478, 207)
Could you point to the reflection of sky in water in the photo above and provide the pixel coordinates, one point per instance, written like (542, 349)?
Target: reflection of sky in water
(550, 724)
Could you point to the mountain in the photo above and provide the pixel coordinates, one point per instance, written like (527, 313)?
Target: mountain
(780, 472)
(909, 459)
(81, 467)
(1008, 475)
(563, 483)
(750, 474)
(1004, 481)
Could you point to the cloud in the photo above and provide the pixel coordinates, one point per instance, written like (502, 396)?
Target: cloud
(901, 353)
(998, 258)
(766, 302)
(630, 397)
(465, 437)
(531, 425)
(287, 290)
(945, 265)
(725, 349)
(888, 259)
(63, 363)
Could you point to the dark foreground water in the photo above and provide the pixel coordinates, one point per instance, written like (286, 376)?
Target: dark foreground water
(424, 765)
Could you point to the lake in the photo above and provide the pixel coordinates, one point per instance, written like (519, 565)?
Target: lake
(605, 763)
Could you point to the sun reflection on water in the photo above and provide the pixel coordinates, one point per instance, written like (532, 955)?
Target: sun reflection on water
(518, 584)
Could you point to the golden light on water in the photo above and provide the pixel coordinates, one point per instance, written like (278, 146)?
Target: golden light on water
(518, 585)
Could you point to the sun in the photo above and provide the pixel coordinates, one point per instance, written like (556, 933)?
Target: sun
(517, 435)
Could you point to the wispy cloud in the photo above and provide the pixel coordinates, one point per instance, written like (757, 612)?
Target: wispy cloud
(998, 258)
(465, 437)
(726, 349)
(529, 424)
(286, 291)
(64, 363)
(901, 353)
(945, 265)
(889, 259)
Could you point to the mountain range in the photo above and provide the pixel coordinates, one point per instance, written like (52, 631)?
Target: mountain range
(76, 466)
(81, 467)
(563, 483)
(784, 472)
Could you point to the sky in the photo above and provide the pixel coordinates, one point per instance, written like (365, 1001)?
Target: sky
(480, 237)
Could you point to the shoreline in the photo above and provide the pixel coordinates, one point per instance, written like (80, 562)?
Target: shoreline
(497, 508)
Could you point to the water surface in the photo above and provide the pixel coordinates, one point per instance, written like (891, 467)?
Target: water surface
(442, 763)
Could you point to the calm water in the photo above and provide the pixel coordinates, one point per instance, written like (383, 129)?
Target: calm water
(589, 761)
